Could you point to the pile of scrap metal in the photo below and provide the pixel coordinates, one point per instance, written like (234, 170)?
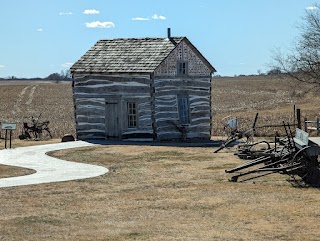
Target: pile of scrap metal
(294, 155)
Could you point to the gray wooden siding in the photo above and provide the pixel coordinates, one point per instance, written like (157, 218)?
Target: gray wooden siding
(91, 95)
(196, 84)
(166, 107)
(90, 118)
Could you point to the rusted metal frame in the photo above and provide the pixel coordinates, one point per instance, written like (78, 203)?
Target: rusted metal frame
(266, 168)
(249, 164)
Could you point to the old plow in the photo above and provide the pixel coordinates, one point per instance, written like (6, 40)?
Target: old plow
(294, 155)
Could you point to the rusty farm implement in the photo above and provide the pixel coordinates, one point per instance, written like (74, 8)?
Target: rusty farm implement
(36, 130)
(234, 134)
(294, 155)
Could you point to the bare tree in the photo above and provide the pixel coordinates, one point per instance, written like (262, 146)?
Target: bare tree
(64, 75)
(303, 61)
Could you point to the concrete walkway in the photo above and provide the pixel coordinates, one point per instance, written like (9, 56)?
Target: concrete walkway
(48, 169)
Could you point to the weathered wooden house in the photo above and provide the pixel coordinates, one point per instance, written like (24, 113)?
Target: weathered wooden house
(156, 88)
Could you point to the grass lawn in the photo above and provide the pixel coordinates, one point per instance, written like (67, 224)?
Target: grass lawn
(159, 193)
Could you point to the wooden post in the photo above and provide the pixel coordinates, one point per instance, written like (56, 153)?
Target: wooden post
(318, 126)
(299, 118)
(305, 124)
(294, 115)
(5, 139)
(10, 138)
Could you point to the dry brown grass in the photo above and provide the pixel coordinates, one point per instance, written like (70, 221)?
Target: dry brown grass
(10, 171)
(24, 143)
(159, 193)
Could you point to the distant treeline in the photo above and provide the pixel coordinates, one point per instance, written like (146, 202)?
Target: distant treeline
(66, 75)
(62, 76)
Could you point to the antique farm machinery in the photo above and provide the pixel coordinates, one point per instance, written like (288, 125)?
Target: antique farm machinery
(234, 134)
(294, 155)
(36, 130)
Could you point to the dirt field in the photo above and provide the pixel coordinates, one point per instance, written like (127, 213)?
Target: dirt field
(167, 192)
(52, 100)
(272, 97)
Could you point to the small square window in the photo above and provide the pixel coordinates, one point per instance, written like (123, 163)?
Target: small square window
(182, 68)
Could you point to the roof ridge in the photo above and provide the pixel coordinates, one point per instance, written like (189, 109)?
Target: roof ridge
(141, 38)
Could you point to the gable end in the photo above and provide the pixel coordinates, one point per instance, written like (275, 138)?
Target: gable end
(185, 52)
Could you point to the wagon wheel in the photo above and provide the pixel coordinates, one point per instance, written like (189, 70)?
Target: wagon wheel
(43, 134)
(297, 168)
(46, 134)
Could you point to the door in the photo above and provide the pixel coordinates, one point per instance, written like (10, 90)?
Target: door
(112, 120)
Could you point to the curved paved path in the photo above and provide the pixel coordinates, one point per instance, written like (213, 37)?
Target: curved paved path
(48, 169)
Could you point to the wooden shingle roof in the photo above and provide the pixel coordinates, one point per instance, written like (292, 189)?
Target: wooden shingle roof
(129, 55)
(126, 55)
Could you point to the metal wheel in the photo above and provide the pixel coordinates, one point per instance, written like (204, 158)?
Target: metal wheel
(44, 134)
(298, 170)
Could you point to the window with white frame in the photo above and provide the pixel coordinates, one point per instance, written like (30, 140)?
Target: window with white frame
(183, 106)
(132, 115)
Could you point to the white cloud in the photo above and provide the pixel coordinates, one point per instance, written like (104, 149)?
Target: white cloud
(91, 11)
(154, 17)
(1, 66)
(140, 19)
(66, 13)
(158, 17)
(66, 65)
(311, 8)
(98, 24)
(40, 29)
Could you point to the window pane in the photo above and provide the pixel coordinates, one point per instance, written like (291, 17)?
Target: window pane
(183, 110)
(132, 115)
(182, 68)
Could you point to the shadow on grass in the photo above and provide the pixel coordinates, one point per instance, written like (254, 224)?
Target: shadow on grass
(199, 143)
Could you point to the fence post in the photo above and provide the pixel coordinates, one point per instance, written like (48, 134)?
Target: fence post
(294, 115)
(305, 124)
(299, 118)
(318, 126)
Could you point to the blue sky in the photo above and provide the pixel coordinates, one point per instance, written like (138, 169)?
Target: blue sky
(40, 37)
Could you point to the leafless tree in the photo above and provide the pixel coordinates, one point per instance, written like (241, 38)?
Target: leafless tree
(303, 61)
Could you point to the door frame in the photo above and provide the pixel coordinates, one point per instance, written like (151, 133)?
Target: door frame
(117, 120)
